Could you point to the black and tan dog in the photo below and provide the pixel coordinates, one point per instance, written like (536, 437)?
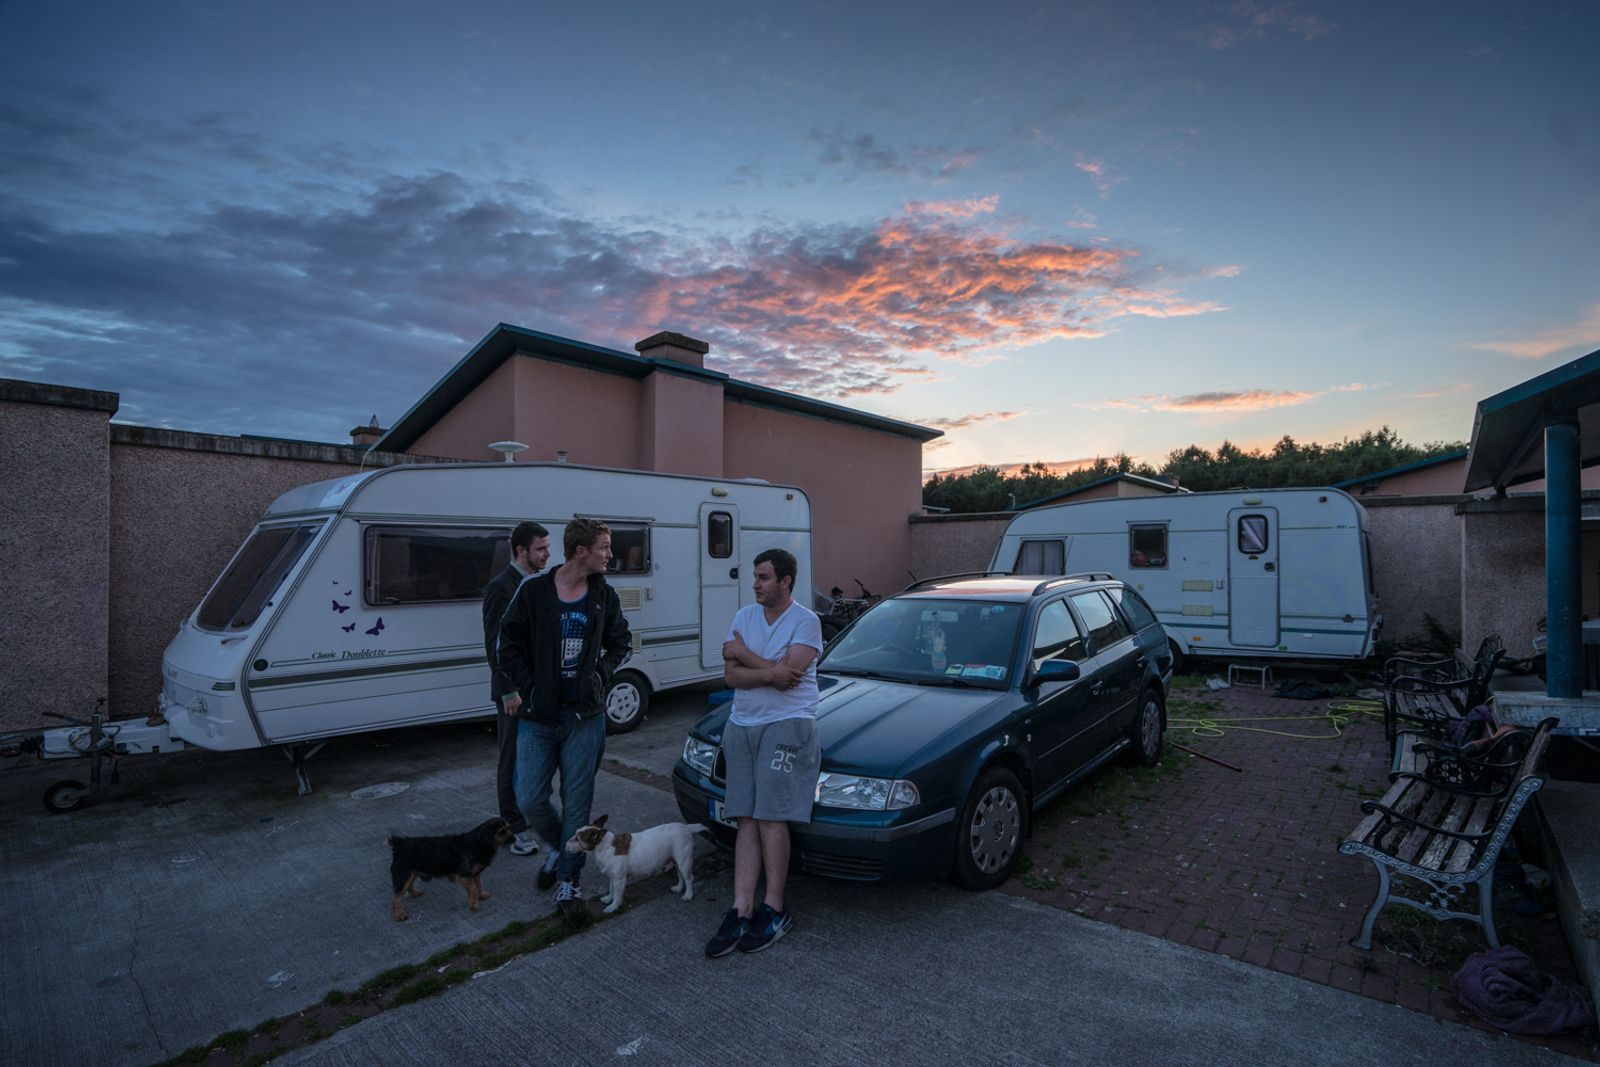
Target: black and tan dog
(461, 858)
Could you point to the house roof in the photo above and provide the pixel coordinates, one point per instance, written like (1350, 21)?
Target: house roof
(1508, 428)
(1137, 479)
(505, 341)
(1404, 468)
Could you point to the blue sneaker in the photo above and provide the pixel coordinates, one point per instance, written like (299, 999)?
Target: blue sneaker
(569, 897)
(766, 926)
(728, 935)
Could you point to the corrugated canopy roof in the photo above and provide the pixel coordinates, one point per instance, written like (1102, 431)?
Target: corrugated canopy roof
(1508, 429)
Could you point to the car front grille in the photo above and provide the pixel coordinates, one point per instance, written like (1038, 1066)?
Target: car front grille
(719, 768)
(851, 868)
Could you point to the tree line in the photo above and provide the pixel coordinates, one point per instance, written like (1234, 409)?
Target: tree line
(1286, 463)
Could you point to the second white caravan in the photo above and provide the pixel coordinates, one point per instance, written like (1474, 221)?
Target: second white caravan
(355, 604)
(1271, 572)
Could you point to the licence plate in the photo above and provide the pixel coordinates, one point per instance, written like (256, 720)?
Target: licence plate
(718, 816)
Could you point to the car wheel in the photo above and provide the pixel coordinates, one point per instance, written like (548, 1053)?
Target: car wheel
(626, 702)
(1148, 728)
(64, 796)
(989, 838)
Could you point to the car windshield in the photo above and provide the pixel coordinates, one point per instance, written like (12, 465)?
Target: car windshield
(930, 642)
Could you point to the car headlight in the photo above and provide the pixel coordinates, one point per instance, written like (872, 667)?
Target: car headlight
(870, 794)
(701, 755)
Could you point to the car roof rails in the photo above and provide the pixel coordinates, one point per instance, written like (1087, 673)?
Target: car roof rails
(952, 577)
(1082, 576)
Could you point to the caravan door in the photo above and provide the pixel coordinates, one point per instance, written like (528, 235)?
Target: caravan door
(719, 578)
(1253, 577)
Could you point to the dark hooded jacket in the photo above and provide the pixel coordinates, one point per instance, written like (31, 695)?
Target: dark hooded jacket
(529, 651)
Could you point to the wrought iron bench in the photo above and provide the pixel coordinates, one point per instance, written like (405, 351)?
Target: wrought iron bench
(1446, 836)
(1429, 693)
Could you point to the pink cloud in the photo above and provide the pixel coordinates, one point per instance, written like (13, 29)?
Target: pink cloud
(1225, 401)
(1582, 333)
(842, 312)
(959, 209)
(1099, 172)
(967, 422)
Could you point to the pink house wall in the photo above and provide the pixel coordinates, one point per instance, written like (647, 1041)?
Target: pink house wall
(486, 414)
(863, 485)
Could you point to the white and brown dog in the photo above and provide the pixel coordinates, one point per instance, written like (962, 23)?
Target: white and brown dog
(624, 856)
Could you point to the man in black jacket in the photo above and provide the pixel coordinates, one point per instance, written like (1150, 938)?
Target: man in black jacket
(530, 551)
(561, 639)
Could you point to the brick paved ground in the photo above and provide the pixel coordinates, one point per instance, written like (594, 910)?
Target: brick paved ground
(1245, 863)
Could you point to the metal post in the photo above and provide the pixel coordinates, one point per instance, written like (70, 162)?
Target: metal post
(1563, 583)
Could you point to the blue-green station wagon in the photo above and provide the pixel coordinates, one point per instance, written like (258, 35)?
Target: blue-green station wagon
(951, 712)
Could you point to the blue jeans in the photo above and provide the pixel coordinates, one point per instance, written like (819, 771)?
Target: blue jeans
(573, 746)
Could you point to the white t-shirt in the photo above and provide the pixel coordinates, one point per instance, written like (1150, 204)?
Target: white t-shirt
(798, 625)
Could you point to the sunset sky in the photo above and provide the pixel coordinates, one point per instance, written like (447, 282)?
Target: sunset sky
(1053, 230)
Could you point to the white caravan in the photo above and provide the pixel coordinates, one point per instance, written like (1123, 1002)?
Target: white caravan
(355, 604)
(1283, 573)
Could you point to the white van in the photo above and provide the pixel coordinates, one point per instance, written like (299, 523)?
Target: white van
(356, 603)
(1281, 573)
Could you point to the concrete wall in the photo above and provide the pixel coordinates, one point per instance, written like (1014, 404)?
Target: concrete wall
(54, 532)
(955, 544)
(113, 534)
(863, 484)
(1502, 572)
(181, 504)
(1416, 564)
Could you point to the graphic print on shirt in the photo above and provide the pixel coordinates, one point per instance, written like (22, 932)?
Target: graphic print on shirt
(574, 624)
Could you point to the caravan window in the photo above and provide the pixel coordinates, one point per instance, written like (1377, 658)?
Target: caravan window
(630, 548)
(1147, 545)
(418, 564)
(1041, 557)
(253, 576)
(1252, 534)
(719, 535)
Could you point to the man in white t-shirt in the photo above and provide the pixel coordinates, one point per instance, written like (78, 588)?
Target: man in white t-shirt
(770, 747)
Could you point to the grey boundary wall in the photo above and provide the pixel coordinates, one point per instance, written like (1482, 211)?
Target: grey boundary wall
(114, 533)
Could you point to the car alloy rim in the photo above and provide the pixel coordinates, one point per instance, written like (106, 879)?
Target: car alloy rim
(623, 703)
(996, 825)
(1150, 727)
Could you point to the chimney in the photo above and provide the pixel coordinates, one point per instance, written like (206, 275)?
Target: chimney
(674, 346)
(364, 436)
(1170, 479)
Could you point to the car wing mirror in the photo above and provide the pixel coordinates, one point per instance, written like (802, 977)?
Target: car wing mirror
(1057, 670)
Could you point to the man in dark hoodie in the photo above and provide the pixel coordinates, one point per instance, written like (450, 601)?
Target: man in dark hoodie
(561, 639)
(530, 551)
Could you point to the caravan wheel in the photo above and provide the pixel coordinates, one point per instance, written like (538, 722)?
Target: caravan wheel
(64, 796)
(626, 702)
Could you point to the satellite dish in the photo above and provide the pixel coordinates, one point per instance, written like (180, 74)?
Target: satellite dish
(508, 449)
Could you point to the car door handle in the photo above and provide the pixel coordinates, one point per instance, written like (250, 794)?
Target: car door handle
(733, 572)
(1094, 690)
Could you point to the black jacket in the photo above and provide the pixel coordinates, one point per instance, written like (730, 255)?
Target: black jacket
(529, 651)
(496, 595)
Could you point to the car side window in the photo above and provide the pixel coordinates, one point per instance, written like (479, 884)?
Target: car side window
(1056, 636)
(1105, 628)
(1133, 606)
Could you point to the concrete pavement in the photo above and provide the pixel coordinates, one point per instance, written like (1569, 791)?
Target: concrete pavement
(921, 974)
(206, 896)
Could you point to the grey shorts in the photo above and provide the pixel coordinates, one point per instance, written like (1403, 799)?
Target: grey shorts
(772, 770)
